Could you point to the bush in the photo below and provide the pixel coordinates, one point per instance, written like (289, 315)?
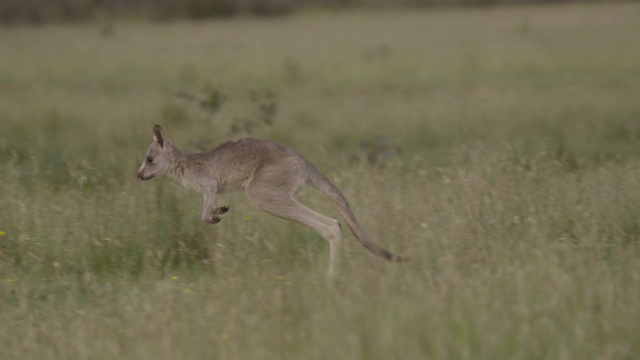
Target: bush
(43, 11)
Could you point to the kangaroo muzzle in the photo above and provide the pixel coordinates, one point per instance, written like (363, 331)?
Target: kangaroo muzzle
(141, 174)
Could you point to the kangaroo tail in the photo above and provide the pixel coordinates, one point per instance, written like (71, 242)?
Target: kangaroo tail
(320, 182)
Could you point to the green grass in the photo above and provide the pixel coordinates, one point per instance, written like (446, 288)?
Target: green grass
(508, 172)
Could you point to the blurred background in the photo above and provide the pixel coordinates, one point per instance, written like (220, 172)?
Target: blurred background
(43, 11)
(495, 142)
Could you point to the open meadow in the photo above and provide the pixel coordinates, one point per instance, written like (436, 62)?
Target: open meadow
(499, 148)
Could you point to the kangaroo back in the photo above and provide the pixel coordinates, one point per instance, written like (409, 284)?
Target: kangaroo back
(320, 182)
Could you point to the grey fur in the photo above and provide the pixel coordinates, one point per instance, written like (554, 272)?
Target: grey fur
(269, 173)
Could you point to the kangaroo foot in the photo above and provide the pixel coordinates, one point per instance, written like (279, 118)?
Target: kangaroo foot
(220, 210)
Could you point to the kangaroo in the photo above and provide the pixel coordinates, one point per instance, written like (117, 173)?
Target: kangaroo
(269, 173)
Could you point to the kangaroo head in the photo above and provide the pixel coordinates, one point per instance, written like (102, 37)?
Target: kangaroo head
(159, 156)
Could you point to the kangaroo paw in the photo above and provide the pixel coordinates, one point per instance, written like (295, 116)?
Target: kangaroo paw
(222, 209)
(214, 220)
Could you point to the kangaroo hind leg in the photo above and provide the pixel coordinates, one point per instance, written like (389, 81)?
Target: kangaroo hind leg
(285, 206)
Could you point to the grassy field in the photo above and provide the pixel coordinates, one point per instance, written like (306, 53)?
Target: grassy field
(498, 148)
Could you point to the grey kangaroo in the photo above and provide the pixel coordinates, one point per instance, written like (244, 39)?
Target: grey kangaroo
(269, 173)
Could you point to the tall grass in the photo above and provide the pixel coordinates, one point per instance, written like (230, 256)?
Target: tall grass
(501, 155)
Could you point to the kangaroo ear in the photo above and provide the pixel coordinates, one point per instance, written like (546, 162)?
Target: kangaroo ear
(158, 135)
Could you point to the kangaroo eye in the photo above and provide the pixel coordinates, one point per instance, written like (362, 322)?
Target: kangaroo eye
(149, 159)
